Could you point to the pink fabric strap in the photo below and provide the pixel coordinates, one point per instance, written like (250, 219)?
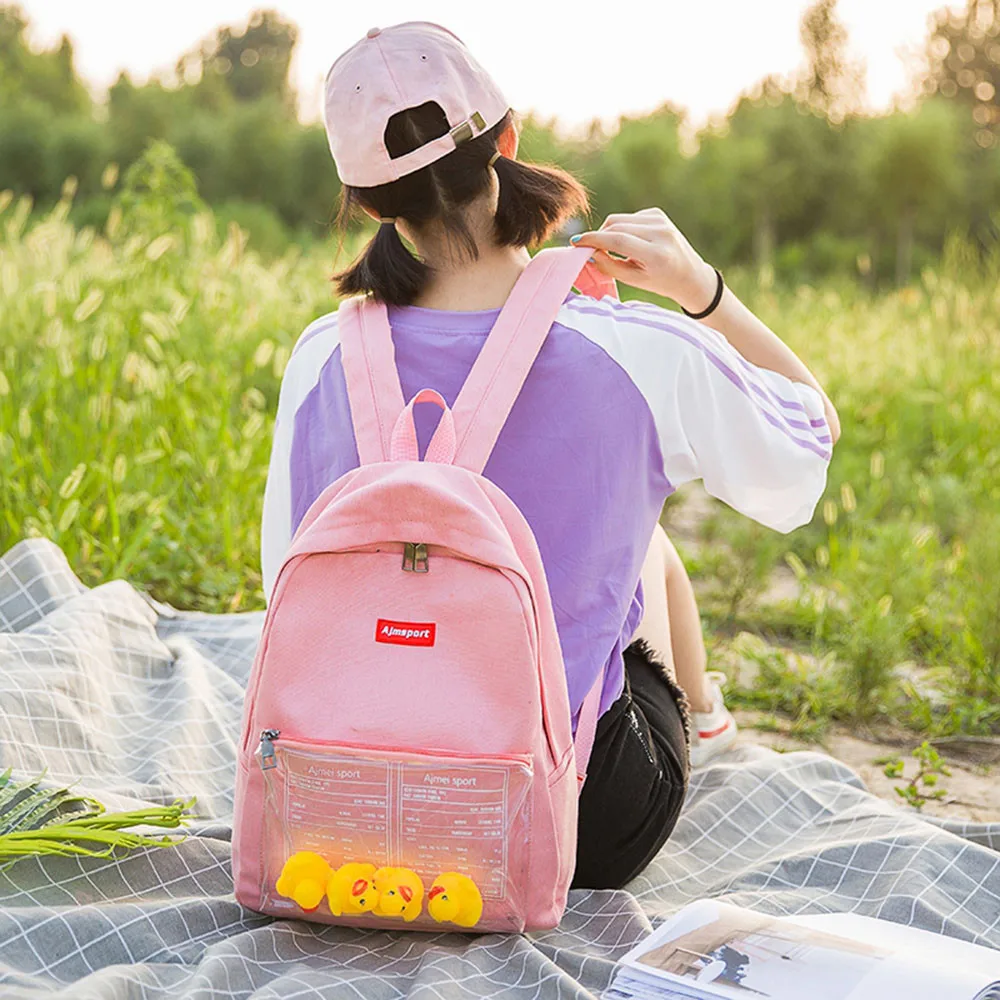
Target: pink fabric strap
(586, 729)
(404, 435)
(369, 362)
(486, 399)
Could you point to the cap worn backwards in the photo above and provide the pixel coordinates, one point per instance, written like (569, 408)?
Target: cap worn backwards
(390, 70)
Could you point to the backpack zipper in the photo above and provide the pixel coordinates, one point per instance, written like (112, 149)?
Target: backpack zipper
(268, 758)
(268, 736)
(415, 558)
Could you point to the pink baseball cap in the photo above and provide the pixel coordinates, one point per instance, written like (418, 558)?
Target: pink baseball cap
(390, 70)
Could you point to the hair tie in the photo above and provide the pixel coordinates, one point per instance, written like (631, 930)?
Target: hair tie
(494, 158)
(386, 221)
(720, 287)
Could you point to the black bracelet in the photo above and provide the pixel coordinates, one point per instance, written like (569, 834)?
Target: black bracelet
(714, 303)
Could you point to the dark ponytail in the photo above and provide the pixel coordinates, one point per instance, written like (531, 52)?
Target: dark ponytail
(386, 269)
(533, 202)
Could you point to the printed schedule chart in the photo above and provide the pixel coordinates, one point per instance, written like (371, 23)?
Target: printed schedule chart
(455, 818)
(428, 816)
(342, 802)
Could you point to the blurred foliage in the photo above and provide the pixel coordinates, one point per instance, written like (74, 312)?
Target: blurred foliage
(898, 575)
(139, 371)
(250, 64)
(963, 63)
(795, 179)
(229, 113)
(158, 191)
(47, 77)
(832, 83)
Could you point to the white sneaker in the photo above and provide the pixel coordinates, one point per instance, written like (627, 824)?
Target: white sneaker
(715, 731)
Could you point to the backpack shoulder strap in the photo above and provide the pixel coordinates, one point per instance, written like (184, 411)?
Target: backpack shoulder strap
(369, 358)
(496, 378)
(373, 390)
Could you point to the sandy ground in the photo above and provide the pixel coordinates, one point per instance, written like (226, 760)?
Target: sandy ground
(973, 789)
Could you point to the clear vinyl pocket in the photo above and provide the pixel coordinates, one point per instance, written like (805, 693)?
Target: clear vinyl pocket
(378, 837)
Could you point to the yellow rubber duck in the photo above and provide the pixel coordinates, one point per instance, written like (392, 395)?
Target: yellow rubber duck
(304, 878)
(350, 889)
(455, 898)
(400, 893)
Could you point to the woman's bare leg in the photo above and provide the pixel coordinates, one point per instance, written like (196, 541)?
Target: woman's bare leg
(670, 622)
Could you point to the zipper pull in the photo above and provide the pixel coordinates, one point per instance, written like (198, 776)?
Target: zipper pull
(268, 759)
(421, 561)
(415, 558)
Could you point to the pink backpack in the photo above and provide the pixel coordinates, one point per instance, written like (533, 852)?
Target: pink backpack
(407, 757)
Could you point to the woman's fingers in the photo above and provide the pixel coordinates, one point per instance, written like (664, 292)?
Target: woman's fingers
(615, 241)
(615, 267)
(645, 216)
(646, 251)
(648, 229)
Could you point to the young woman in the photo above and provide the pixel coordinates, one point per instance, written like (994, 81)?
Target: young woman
(626, 402)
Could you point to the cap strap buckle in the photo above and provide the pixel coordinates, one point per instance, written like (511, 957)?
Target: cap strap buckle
(462, 132)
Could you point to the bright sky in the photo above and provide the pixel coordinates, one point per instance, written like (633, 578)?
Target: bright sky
(547, 55)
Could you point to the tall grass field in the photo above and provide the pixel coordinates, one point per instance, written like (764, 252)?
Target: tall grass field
(139, 376)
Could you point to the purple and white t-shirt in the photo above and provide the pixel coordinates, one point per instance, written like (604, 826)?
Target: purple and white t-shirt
(626, 402)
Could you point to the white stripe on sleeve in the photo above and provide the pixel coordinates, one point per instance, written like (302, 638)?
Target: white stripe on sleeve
(759, 441)
(318, 341)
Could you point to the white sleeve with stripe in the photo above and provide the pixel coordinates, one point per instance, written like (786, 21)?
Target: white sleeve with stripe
(758, 440)
(318, 341)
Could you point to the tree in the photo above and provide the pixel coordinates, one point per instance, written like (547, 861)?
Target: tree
(138, 114)
(963, 65)
(77, 147)
(772, 173)
(47, 77)
(314, 179)
(639, 166)
(253, 63)
(832, 84)
(539, 142)
(24, 149)
(916, 177)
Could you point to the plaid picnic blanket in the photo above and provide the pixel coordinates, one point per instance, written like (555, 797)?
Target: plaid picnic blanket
(139, 704)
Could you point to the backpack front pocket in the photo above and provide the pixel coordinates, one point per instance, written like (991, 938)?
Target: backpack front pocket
(381, 837)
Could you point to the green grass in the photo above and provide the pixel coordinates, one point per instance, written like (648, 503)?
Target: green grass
(139, 376)
(139, 379)
(902, 562)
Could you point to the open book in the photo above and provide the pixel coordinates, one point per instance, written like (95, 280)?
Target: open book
(711, 949)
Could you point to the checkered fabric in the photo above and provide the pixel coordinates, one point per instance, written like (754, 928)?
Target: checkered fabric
(138, 703)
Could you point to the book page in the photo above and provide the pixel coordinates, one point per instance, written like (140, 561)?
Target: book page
(900, 938)
(919, 961)
(713, 949)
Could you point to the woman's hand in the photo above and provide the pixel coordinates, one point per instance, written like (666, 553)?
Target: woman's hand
(659, 257)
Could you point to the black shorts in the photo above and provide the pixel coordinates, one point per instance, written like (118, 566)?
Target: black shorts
(637, 777)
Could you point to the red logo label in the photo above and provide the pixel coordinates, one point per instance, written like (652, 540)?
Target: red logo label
(405, 633)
